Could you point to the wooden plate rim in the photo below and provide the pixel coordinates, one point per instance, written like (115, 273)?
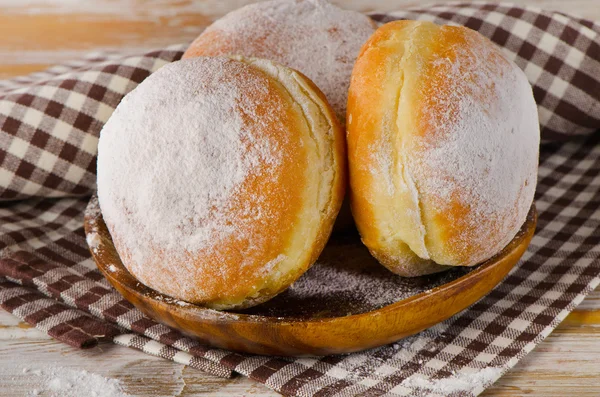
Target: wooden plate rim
(208, 314)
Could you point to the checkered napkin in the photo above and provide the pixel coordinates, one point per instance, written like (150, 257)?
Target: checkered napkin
(49, 126)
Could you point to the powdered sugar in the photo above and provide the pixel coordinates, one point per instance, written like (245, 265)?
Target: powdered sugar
(270, 265)
(479, 145)
(419, 353)
(347, 280)
(173, 155)
(92, 237)
(93, 240)
(54, 381)
(168, 299)
(458, 382)
(312, 36)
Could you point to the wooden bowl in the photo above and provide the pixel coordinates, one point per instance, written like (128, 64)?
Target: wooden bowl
(345, 303)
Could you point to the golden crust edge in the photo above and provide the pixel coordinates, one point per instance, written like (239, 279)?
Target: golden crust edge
(274, 285)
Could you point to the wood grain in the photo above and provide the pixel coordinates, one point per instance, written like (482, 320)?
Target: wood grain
(566, 363)
(138, 373)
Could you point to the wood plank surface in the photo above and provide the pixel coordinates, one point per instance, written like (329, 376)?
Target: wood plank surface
(35, 34)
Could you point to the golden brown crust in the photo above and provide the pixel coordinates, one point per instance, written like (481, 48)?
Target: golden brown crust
(282, 217)
(329, 157)
(424, 132)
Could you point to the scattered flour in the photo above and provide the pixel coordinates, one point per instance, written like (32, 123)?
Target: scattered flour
(372, 289)
(54, 381)
(374, 365)
(92, 237)
(312, 36)
(168, 299)
(459, 382)
(93, 240)
(347, 280)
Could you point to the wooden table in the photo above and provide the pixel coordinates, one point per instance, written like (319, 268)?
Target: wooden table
(35, 34)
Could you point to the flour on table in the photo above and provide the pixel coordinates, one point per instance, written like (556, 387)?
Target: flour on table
(458, 382)
(54, 381)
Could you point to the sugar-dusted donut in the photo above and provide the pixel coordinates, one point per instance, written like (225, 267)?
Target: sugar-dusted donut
(443, 142)
(220, 179)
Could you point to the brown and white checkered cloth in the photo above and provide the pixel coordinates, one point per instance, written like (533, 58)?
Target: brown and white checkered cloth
(49, 126)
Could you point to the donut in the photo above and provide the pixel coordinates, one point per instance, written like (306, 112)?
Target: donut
(443, 144)
(219, 179)
(311, 36)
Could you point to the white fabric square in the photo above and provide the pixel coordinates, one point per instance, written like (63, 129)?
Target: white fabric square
(533, 72)
(435, 363)
(91, 76)
(31, 188)
(89, 144)
(74, 174)
(535, 308)
(548, 43)
(385, 369)
(6, 107)
(569, 211)
(521, 29)
(118, 84)
(560, 18)
(558, 87)
(453, 349)
(400, 390)
(368, 382)
(485, 357)
(18, 147)
(569, 246)
(552, 295)
(574, 58)
(587, 32)
(519, 324)
(494, 18)
(568, 278)
(47, 91)
(337, 372)
(76, 101)
(33, 117)
(61, 130)
(103, 112)
(47, 161)
(502, 341)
